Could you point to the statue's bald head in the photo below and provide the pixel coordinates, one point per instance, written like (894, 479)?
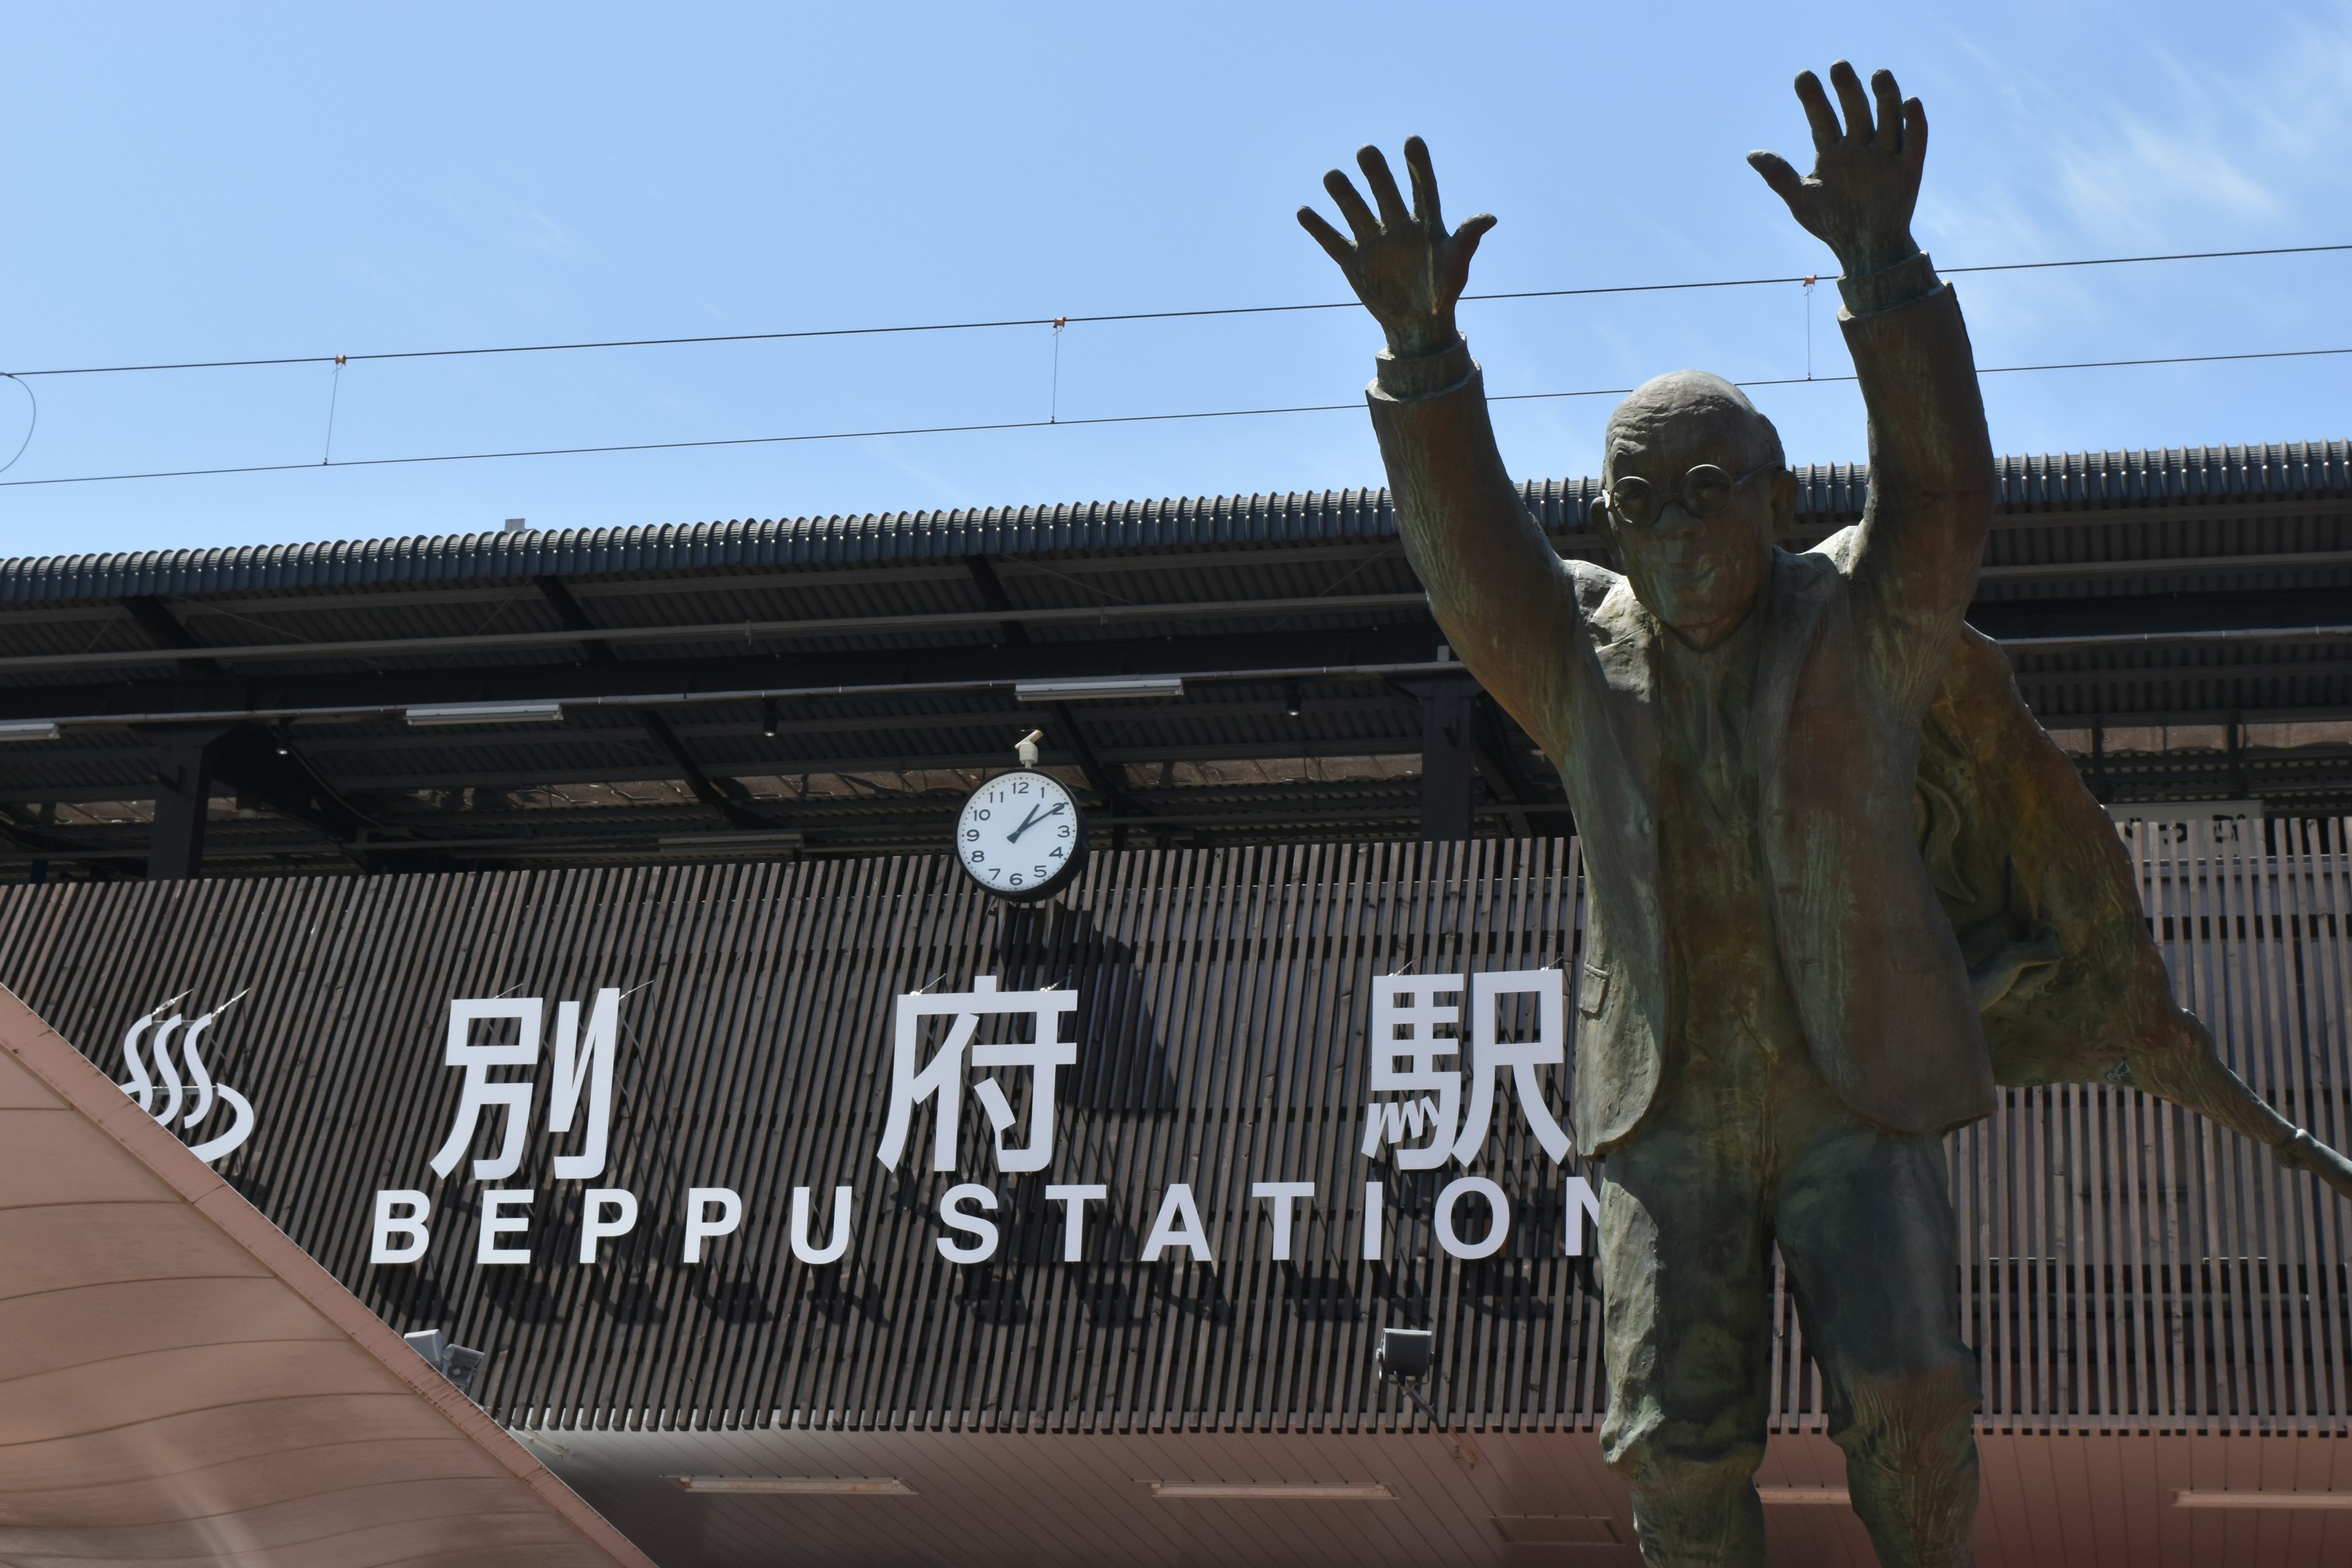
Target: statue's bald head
(1698, 557)
(1684, 408)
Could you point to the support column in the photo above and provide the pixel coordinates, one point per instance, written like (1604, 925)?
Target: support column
(184, 783)
(1446, 752)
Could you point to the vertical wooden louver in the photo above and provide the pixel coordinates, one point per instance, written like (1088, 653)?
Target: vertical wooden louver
(2122, 1264)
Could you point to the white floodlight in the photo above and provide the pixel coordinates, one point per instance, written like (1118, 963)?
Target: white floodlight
(1276, 1491)
(690, 843)
(799, 1485)
(458, 1363)
(1087, 687)
(447, 714)
(28, 729)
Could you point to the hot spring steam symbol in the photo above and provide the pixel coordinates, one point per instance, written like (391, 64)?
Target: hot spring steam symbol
(198, 1087)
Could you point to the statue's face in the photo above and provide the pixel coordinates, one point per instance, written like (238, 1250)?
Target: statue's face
(1692, 516)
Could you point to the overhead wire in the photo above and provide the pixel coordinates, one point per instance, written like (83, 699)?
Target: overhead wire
(32, 422)
(1058, 323)
(983, 325)
(1050, 423)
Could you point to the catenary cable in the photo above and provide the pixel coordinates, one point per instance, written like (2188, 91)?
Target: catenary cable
(1065, 424)
(1117, 316)
(32, 422)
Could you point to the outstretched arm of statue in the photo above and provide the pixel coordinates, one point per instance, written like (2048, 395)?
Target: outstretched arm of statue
(1931, 468)
(1500, 591)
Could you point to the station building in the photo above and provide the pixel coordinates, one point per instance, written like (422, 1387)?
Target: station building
(552, 946)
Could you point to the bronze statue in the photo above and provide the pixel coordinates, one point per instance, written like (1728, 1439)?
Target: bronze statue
(1840, 885)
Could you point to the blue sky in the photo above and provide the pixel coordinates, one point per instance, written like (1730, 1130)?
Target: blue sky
(199, 182)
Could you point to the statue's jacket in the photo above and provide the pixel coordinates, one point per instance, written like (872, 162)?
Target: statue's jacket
(1853, 653)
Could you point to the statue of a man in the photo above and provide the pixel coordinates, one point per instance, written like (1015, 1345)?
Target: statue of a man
(1778, 1028)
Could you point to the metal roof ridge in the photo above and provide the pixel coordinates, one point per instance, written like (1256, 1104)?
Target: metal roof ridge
(1170, 521)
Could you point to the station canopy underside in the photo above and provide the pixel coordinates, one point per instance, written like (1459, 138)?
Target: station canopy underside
(740, 690)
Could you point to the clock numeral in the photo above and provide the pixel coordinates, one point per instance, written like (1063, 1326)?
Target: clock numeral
(1021, 788)
(1065, 830)
(978, 856)
(1016, 878)
(1038, 871)
(982, 814)
(971, 833)
(1057, 855)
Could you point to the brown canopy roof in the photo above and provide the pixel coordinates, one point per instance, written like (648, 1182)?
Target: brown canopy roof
(180, 1382)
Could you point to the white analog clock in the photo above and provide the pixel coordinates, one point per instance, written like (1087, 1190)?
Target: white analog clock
(1022, 836)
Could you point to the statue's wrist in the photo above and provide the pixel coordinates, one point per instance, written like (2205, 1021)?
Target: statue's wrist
(1408, 377)
(1884, 288)
(1422, 339)
(1877, 256)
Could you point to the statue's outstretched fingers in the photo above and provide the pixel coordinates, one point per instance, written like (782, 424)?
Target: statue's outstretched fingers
(1786, 183)
(1818, 113)
(2304, 1152)
(1852, 99)
(1333, 242)
(1423, 175)
(1890, 111)
(1352, 205)
(1394, 214)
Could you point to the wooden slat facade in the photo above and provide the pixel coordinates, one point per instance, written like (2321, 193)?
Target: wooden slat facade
(2125, 1266)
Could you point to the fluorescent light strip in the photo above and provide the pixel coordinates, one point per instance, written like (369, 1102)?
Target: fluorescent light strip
(780, 838)
(1076, 690)
(2192, 1498)
(439, 714)
(1276, 1491)
(28, 729)
(1805, 1495)
(799, 1485)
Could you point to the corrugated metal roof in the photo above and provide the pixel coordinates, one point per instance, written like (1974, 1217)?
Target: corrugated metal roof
(1831, 491)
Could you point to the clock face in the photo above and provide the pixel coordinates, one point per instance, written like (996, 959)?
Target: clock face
(1020, 835)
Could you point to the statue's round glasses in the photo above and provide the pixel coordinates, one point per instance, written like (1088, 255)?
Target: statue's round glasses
(1705, 491)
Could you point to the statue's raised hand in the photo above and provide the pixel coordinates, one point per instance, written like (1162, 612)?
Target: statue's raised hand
(1404, 266)
(1865, 177)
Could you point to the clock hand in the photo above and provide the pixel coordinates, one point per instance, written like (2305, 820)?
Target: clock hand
(1034, 816)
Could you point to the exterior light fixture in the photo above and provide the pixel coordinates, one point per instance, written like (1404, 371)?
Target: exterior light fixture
(281, 738)
(1276, 1491)
(1087, 687)
(449, 714)
(1290, 702)
(798, 1485)
(782, 838)
(768, 717)
(458, 1363)
(1405, 1355)
(2186, 1497)
(28, 729)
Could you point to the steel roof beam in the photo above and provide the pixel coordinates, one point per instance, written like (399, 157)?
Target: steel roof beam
(874, 673)
(1063, 724)
(719, 632)
(1362, 650)
(719, 796)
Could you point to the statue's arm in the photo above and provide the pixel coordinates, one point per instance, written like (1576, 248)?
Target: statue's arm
(1501, 595)
(1931, 479)
(1931, 468)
